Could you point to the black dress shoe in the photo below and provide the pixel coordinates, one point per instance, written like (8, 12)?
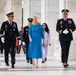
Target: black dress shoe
(18, 52)
(67, 64)
(30, 62)
(27, 61)
(7, 64)
(1, 52)
(43, 61)
(12, 66)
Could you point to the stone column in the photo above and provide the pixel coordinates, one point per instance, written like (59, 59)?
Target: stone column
(50, 14)
(43, 11)
(31, 8)
(62, 5)
(36, 8)
(7, 8)
(26, 11)
(17, 8)
(2, 14)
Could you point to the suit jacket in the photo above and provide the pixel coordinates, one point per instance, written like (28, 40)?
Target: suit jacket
(62, 25)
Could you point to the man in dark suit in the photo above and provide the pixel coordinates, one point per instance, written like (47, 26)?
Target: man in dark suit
(65, 27)
(9, 31)
(26, 38)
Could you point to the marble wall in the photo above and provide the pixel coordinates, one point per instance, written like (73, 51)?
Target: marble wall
(2, 11)
(50, 14)
(26, 11)
(17, 8)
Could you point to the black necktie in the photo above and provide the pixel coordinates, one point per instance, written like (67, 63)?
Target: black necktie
(11, 23)
(65, 19)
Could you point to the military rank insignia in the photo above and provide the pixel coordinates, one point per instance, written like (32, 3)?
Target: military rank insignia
(5, 26)
(69, 22)
(14, 26)
(61, 22)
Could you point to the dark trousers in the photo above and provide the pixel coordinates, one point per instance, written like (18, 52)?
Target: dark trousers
(27, 58)
(1, 47)
(27, 45)
(10, 48)
(19, 49)
(65, 46)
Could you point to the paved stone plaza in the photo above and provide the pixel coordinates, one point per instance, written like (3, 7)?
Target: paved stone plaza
(53, 67)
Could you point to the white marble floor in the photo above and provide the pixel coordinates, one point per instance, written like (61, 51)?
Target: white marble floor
(51, 67)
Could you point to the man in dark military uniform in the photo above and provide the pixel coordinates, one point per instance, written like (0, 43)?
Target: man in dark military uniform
(9, 30)
(65, 27)
(26, 39)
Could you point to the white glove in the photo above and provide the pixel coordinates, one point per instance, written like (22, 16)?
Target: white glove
(19, 42)
(23, 43)
(65, 31)
(2, 39)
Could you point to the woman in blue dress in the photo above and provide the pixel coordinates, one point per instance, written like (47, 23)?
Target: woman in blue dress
(36, 34)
